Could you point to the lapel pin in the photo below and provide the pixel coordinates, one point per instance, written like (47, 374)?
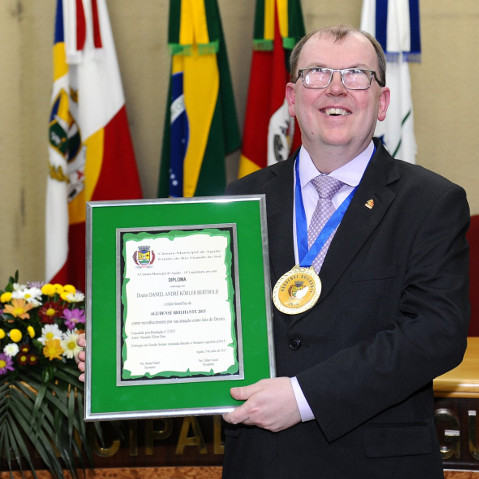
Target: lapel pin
(369, 204)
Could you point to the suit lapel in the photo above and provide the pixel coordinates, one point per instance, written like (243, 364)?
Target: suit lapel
(279, 205)
(369, 205)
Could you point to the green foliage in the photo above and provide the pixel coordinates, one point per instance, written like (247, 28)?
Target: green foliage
(46, 417)
(41, 398)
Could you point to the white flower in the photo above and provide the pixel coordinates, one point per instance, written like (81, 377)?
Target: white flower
(50, 331)
(19, 291)
(69, 345)
(33, 296)
(11, 349)
(76, 297)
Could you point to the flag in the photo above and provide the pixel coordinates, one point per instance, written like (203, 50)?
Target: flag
(91, 155)
(201, 126)
(270, 134)
(395, 24)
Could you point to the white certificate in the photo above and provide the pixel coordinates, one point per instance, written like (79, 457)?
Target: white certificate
(178, 305)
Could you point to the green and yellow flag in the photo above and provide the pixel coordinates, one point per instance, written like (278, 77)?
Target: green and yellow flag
(201, 126)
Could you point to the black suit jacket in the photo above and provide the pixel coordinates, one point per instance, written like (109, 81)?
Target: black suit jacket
(393, 314)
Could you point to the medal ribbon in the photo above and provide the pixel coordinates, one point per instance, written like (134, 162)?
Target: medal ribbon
(306, 257)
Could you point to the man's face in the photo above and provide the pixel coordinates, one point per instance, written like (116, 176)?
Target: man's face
(335, 116)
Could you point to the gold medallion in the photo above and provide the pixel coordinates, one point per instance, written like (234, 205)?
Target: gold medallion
(297, 290)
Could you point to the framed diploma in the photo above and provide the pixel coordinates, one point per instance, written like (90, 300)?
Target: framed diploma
(178, 305)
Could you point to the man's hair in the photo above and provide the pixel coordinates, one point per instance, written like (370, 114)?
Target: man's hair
(338, 32)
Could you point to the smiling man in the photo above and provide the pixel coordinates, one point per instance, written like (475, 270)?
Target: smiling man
(336, 122)
(385, 309)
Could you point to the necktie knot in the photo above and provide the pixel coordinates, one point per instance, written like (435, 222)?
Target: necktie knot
(326, 186)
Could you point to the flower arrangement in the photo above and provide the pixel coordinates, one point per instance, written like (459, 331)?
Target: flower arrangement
(39, 326)
(41, 399)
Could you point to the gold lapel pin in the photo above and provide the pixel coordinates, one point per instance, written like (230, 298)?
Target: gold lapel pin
(369, 204)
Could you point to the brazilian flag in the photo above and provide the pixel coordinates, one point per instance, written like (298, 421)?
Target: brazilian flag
(201, 126)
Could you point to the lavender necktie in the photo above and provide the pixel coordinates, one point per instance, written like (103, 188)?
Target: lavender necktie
(327, 187)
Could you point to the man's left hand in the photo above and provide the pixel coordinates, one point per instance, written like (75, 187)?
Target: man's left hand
(270, 404)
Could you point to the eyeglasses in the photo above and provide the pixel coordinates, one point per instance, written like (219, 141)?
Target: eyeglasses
(352, 78)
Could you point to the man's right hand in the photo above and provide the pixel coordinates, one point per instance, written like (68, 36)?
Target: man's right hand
(80, 357)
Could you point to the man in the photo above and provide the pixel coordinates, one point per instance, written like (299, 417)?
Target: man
(353, 397)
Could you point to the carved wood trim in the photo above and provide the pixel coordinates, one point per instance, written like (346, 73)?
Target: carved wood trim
(213, 472)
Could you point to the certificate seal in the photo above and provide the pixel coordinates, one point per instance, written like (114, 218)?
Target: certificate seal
(297, 290)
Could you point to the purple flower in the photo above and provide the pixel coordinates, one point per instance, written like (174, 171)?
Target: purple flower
(6, 364)
(73, 317)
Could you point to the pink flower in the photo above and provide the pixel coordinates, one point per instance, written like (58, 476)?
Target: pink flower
(73, 317)
(6, 364)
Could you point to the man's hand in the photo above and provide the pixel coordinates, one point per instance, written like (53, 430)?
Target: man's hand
(80, 357)
(270, 404)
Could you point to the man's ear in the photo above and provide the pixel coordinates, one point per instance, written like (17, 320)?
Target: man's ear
(384, 100)
(290, 98)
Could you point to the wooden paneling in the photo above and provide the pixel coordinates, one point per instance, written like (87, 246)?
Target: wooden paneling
(461, 475)
(179, 473)
(135, 473)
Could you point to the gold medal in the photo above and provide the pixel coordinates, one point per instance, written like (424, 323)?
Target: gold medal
(297, 290)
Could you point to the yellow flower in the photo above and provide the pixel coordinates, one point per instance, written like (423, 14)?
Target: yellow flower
(18, 309)
(2, 333)
(69, 288)
(53, 349)
(6, 297)
(58, 288)
(48, 289)
(16, 335)
(31, 331)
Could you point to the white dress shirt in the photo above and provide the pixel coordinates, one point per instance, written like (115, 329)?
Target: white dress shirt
(350, 174)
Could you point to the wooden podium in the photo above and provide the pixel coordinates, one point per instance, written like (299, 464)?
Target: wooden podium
(456, 409)
(463, 381)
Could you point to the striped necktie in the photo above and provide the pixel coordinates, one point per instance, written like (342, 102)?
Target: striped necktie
(327, 187)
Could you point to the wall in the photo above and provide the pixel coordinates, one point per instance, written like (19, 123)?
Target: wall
(443, 94)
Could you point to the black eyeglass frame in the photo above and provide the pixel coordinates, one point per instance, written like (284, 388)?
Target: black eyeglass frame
(342, 71)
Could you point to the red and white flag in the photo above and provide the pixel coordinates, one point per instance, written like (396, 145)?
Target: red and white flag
(91, 155)
(270, 134)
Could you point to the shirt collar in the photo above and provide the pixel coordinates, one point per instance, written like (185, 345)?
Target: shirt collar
(350, 173)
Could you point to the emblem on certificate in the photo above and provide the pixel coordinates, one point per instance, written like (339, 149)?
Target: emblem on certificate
(297, 290)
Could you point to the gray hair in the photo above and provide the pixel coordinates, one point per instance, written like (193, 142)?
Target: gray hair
(338, 32)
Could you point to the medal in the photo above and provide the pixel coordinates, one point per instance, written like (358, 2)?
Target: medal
(297, 290)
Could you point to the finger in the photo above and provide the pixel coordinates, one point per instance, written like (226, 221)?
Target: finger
(243, 393)
(240, 393)
(80, 357)
(239, 415)
(82, 378)
(81, 341)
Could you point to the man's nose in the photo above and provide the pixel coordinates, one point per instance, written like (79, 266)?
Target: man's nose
(336, 85)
